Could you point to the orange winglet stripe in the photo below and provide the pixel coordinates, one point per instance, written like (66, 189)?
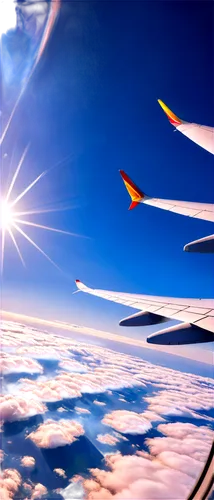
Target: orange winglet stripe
(135, 193)
(174, 120)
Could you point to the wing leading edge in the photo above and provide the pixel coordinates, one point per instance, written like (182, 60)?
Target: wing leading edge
(200, 134)
(204, 211)
(196, 315)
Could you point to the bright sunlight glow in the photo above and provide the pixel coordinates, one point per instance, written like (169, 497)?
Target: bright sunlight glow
(6, 215)
(7, 15)
(12, 220)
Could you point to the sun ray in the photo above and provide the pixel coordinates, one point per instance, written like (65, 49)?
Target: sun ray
(9, 121)
(35, 245)
(11, 218)
(10, 166)
(16, 173)
(44, 211)
(48, 228)
(28, 188)
(61, 163)
(16, 246)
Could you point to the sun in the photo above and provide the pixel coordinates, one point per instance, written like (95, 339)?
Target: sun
(7, 15)
(12, 219)
(6, 215)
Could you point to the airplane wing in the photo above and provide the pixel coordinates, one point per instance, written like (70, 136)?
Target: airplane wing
(204, 245)
(196, 315)
(204, 211)
(200, 134)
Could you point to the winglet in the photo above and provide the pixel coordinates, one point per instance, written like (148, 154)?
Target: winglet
(80, 285)
(174, 120)
(135, 193)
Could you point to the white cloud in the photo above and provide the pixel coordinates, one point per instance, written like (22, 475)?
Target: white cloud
(136, 477)
(71, 365)
(127, 422)
(38, 352)
(183, 438)
(76, 478)
(81, 410)
(50, 390)
(10, 480)
(120, 436)
(182, 463)
(185, 430)
(152, 416)
(71, 385)
(107, 439)
(14, 408)
(153, 476)
(53, 434)
(10, 364)
(39, 491)
(182, 400)
(60, 472)
(27, 461)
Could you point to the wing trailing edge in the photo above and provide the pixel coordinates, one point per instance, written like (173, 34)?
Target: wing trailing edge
(203, 211)
(196, 316)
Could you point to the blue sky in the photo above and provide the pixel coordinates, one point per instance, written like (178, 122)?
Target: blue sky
(94, 96)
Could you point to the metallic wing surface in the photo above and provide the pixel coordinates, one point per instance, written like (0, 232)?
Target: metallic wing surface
(204, 211)
(196, 315)
(200, 134)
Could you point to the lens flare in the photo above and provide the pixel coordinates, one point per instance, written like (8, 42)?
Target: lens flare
(54, 10)
(6, 215)
(11, 218)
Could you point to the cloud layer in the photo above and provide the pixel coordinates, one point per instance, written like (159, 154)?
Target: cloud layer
(168, 472)
(105, 395)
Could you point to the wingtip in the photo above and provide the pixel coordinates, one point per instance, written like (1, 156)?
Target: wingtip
(80, 285)
(174, 120)
(122, 173)
(186, 248)
(134, 192)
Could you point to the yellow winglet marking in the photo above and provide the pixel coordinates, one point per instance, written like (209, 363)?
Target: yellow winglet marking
(174, 120)
(133, 194)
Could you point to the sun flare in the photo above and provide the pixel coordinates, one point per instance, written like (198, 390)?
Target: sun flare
(6, 215)
(13, 219)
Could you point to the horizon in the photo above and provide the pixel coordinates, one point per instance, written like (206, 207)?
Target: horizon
(202, 356)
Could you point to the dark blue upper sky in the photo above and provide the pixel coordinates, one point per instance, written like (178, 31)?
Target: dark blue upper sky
(94, 96)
